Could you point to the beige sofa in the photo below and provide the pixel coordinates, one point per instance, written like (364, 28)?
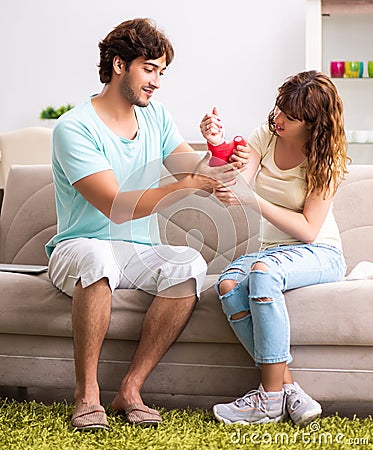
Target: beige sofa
(332, 324)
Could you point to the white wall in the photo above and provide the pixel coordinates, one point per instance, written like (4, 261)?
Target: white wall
(232, 54)
(313, 35)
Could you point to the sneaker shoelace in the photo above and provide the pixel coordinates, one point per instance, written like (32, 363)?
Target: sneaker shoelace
(254, 399)
(296, 401)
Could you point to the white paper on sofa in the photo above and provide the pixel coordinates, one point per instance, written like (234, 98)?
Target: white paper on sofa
(362, 271)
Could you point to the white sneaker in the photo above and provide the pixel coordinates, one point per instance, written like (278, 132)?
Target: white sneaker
(302, 408)
(256, 406)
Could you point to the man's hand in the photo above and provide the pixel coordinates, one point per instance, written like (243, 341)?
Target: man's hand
(207, 177)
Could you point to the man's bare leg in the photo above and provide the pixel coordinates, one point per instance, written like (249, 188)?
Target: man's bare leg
(163, 323)
(91, 310)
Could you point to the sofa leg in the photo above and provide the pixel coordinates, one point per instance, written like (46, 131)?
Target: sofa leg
(22, 393)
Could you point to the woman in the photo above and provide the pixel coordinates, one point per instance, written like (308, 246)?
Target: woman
(298, 160)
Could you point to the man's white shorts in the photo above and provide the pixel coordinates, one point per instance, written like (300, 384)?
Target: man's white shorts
(126, 265)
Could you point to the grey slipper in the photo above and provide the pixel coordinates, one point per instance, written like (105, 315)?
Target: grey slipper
(89, 417)
(139, 414)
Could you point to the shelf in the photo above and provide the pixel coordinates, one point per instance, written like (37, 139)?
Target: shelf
(329, 7)
(348, 78)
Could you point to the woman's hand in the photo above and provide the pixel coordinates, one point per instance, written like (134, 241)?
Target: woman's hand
(226, 196)
(241, 190)
(212, 128)
(238, 193)
(241, 155)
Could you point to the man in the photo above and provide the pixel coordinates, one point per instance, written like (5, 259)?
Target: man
(107, 159)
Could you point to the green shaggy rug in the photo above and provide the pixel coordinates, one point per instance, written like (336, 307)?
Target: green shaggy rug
(31, 425)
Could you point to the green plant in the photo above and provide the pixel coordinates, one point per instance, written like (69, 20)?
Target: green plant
(51, 113)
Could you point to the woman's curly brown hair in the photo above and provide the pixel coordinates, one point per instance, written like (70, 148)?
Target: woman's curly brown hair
(129, 40)
(312, 97)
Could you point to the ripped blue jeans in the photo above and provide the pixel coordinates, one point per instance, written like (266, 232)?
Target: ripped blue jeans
(265, 330)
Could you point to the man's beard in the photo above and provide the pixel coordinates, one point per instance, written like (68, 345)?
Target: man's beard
(127, 92)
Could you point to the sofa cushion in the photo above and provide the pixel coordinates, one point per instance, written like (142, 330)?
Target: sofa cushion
(332, 313)
(219, 233)
(30, 305)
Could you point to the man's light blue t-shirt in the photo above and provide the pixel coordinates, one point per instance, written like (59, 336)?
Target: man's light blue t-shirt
(84, 145)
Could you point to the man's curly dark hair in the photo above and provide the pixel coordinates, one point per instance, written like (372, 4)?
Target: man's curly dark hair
(129, 40)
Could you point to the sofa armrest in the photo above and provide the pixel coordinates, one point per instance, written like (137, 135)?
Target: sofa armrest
(28, 217)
